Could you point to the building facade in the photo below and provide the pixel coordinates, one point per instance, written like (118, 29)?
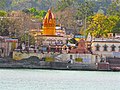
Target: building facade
(7, 45)
(106, 47)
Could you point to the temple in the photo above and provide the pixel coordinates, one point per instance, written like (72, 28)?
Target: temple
(53, 36)
(49, 24)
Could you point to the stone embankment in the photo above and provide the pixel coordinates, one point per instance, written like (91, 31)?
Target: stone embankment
(36, 63)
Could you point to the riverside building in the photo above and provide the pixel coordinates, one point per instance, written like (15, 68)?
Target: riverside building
(105, 47)
(51, 37)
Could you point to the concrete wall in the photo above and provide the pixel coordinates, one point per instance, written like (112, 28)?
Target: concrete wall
(87, 58)
(19, 55)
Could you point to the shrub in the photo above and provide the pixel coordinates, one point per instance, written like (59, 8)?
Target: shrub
(49, 59)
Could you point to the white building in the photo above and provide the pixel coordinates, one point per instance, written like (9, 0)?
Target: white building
(106, 47)
(7, 45)
(60, 31)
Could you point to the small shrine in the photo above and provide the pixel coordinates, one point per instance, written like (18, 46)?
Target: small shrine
(81, 47)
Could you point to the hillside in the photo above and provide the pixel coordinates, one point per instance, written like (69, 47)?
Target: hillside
(22, 4)
(45, 4)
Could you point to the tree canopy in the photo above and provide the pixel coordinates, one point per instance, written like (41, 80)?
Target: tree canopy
(37, 14)
(4, 26)
(3, 13)
(100, 25)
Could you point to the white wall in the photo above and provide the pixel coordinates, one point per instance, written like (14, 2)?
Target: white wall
(109, 51)
(87, 58)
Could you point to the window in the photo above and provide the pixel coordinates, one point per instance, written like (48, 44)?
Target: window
(105, 47)
(97, 47)
(113, 47)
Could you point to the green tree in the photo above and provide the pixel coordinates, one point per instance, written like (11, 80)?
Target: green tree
(27, 38)
(61, 5)
(83, 11)
(39, 14)
(2, 4)
(32, 10)
(114, 8)
(42, 13)
(116, 28)
(3, 13)
(4, 26)
(73, 13)
(100, 25)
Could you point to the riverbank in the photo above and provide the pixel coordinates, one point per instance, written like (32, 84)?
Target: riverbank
(35, 63)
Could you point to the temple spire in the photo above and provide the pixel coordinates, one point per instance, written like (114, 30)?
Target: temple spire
(49, 24)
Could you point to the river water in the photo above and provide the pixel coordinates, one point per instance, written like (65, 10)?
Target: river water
(35, 79)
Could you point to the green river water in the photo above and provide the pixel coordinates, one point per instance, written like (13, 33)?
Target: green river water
(36, 79)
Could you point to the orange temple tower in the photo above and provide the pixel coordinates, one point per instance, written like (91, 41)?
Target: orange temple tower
(49, 24)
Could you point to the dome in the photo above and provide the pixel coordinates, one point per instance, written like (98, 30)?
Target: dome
(49, 16)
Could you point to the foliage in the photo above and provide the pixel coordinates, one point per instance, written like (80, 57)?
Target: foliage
(46, 4)
(27, 38)
(78, 59)
(61, 5)
(19, 25)
(2, 4)
(26, 11)
(72, 14)
(39, 14)
(114, 8)
(49, 59)
(85, 9)
(32, 10)
(4, 27)
(3, 13)
(100, 25)
(116, 28)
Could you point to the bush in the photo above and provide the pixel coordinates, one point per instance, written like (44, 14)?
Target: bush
(79, 60)
(30, 60)
(49, 59)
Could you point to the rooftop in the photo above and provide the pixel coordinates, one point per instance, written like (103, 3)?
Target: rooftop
(106, 40)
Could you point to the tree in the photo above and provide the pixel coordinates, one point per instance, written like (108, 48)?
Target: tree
(72, 14)
(116, 28)
(2, 4)
(100, 25)
(4, 27)
(28, 39)
(114, 8)
(20, 22)
(83, 11)
(32, 10)
(38, 14)
(63, 4)
(3, 13)
(65, 11)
